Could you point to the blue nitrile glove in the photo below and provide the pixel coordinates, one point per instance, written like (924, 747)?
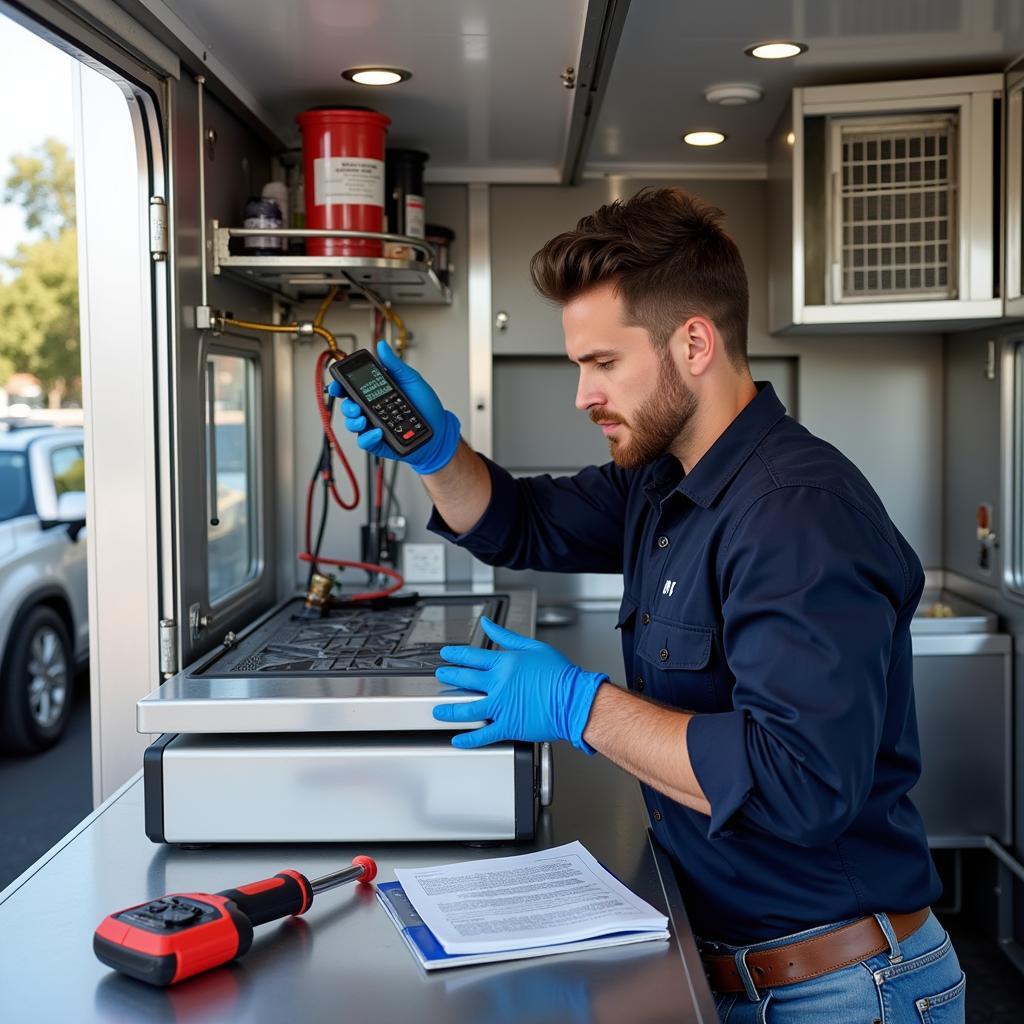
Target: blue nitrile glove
(428, 458)
(533, 692)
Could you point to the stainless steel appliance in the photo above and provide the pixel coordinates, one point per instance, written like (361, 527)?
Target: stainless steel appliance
(321, 730)
(963, 692)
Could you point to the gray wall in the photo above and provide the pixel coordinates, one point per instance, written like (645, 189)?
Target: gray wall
(877, 397)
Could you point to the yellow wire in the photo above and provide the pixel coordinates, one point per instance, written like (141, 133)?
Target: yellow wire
(250, 325)
(403, 333)
(328, 299)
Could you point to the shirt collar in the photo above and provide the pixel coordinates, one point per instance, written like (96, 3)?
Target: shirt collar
(719, 464)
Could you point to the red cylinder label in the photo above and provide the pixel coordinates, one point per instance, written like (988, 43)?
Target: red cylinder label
(348, 179)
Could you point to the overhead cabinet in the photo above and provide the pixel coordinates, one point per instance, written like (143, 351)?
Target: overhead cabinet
(884, 205)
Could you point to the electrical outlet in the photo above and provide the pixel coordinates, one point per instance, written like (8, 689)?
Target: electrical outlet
(423, 563)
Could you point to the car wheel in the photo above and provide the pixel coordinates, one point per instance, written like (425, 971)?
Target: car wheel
(36, 695)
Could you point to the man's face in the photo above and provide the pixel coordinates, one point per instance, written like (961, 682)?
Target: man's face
(633, 391)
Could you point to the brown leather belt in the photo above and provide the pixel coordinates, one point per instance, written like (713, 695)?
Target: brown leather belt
(810, 958)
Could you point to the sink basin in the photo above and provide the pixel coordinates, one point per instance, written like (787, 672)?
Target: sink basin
(967, 617)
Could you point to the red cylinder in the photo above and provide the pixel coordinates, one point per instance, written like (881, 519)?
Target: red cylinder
(343, 154)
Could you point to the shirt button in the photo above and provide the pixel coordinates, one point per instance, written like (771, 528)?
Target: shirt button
(640, 683)
(663, 654)
(645, 619)
(663, 542)
(657, 815)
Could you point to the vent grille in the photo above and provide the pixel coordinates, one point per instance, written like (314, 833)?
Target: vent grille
(894, 234)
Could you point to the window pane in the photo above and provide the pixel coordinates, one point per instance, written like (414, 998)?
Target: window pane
(231, 538)
(68, 465)
(15, 492)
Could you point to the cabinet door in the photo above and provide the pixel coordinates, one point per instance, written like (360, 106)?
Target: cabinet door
(1015, 194)
(523, 218)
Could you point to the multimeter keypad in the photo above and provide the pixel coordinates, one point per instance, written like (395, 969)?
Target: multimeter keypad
(398, 416)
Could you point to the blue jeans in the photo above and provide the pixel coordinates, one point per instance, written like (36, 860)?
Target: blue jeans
(916, 981)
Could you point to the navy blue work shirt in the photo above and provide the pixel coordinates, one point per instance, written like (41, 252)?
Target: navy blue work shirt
(768, 592)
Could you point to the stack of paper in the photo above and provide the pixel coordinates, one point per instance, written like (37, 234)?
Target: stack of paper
(513, 907)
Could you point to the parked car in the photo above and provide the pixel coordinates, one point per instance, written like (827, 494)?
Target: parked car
(44, 623)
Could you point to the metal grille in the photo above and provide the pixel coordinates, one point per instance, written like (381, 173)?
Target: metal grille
(354, 641)
(895, 221)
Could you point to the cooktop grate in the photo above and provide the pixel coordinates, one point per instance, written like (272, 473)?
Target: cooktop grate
(358, 641)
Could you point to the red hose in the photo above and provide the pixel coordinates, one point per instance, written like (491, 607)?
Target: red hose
(306, 556)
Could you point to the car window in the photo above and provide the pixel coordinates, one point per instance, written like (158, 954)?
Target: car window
(15, 490)
(68, 465)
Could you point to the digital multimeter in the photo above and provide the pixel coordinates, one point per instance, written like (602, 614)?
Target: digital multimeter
(384, 404)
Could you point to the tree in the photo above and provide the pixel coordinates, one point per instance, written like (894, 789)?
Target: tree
(39, 331)
(39, 312)
(43, 185)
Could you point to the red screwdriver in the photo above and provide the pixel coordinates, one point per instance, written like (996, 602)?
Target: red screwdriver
(174, 937)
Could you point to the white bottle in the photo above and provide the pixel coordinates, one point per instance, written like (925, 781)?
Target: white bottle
(278, 191)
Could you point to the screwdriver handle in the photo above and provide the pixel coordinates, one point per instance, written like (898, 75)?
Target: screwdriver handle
(288, 892)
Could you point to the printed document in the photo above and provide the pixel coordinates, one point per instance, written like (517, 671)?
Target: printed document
(537, 899)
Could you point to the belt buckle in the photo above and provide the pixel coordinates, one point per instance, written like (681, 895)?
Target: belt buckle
(745, 976)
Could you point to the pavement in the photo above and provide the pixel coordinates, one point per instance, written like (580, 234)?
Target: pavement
(44, 796)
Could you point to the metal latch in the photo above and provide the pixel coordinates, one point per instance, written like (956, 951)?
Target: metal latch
(197, 623)
(157, 228)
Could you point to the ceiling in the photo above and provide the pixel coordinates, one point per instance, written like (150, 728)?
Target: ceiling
(485, 97)
(670, 52)
(486, 102)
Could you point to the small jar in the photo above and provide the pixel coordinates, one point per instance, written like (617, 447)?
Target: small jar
(262, 213)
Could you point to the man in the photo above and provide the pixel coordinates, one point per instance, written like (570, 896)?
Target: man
(765, 626)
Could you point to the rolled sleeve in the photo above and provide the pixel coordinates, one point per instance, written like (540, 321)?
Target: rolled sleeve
(713, 741)
(811, 591)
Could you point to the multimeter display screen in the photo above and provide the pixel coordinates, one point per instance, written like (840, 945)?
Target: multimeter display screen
(369, 382)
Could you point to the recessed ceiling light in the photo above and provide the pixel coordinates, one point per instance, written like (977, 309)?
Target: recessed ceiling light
(777, 50)
(733, 94)
(703, 138)
(372, 75)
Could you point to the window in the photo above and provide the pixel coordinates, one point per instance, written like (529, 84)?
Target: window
(68, 467)
(15, 490)
(232, 542)
(1015, 477)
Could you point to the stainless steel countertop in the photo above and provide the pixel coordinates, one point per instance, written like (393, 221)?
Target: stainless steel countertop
(344, 960)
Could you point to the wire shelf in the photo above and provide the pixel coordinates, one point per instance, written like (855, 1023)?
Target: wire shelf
(296, 277)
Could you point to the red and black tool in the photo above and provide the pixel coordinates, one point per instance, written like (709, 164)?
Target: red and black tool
(174, 937)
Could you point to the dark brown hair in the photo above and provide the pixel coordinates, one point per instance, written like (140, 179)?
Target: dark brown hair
(668, 258)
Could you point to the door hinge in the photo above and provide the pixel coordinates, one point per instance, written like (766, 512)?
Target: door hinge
(157, 228)
(168, 647)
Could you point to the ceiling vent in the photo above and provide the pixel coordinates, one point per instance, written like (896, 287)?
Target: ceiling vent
(733, 94)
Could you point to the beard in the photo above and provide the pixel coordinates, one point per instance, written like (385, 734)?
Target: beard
(658, 423)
